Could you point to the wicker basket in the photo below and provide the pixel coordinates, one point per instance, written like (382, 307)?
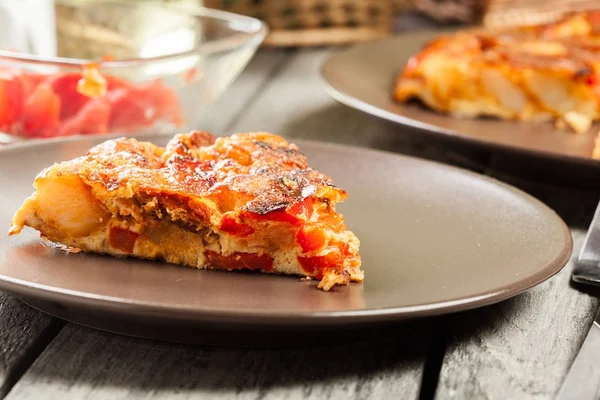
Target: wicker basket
(452, 11)
(316, 22)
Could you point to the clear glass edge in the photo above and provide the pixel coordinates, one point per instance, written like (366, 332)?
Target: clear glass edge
(256, 28)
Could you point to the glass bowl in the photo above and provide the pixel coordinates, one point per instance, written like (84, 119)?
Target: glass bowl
(124, 67)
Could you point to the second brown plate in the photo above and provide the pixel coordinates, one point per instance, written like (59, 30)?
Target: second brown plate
(363, 78)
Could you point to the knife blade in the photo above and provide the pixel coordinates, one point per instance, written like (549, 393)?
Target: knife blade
(583, 379)
(587, 268)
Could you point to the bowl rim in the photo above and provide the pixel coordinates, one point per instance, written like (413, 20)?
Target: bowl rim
(242, 24)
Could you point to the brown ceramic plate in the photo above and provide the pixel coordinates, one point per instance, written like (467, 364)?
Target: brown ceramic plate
(434, 239)
(363, 78)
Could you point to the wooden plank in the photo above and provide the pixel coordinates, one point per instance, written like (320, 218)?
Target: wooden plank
(24, 329)
(234, 101)
(297, 106)
(84, 363)
(522, 348)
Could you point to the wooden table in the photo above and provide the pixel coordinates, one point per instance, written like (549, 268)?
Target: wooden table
(521, 348)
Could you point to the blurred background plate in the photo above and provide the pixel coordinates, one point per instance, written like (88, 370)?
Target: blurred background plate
(363, 78)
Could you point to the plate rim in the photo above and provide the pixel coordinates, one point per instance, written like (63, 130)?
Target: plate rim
(423, 127)
(141, 309)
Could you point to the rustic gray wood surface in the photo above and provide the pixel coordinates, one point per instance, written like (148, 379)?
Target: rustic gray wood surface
(22, 337)
(520, 348)
(83, 363)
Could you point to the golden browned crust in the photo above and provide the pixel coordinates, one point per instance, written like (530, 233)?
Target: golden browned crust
(256, 172)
